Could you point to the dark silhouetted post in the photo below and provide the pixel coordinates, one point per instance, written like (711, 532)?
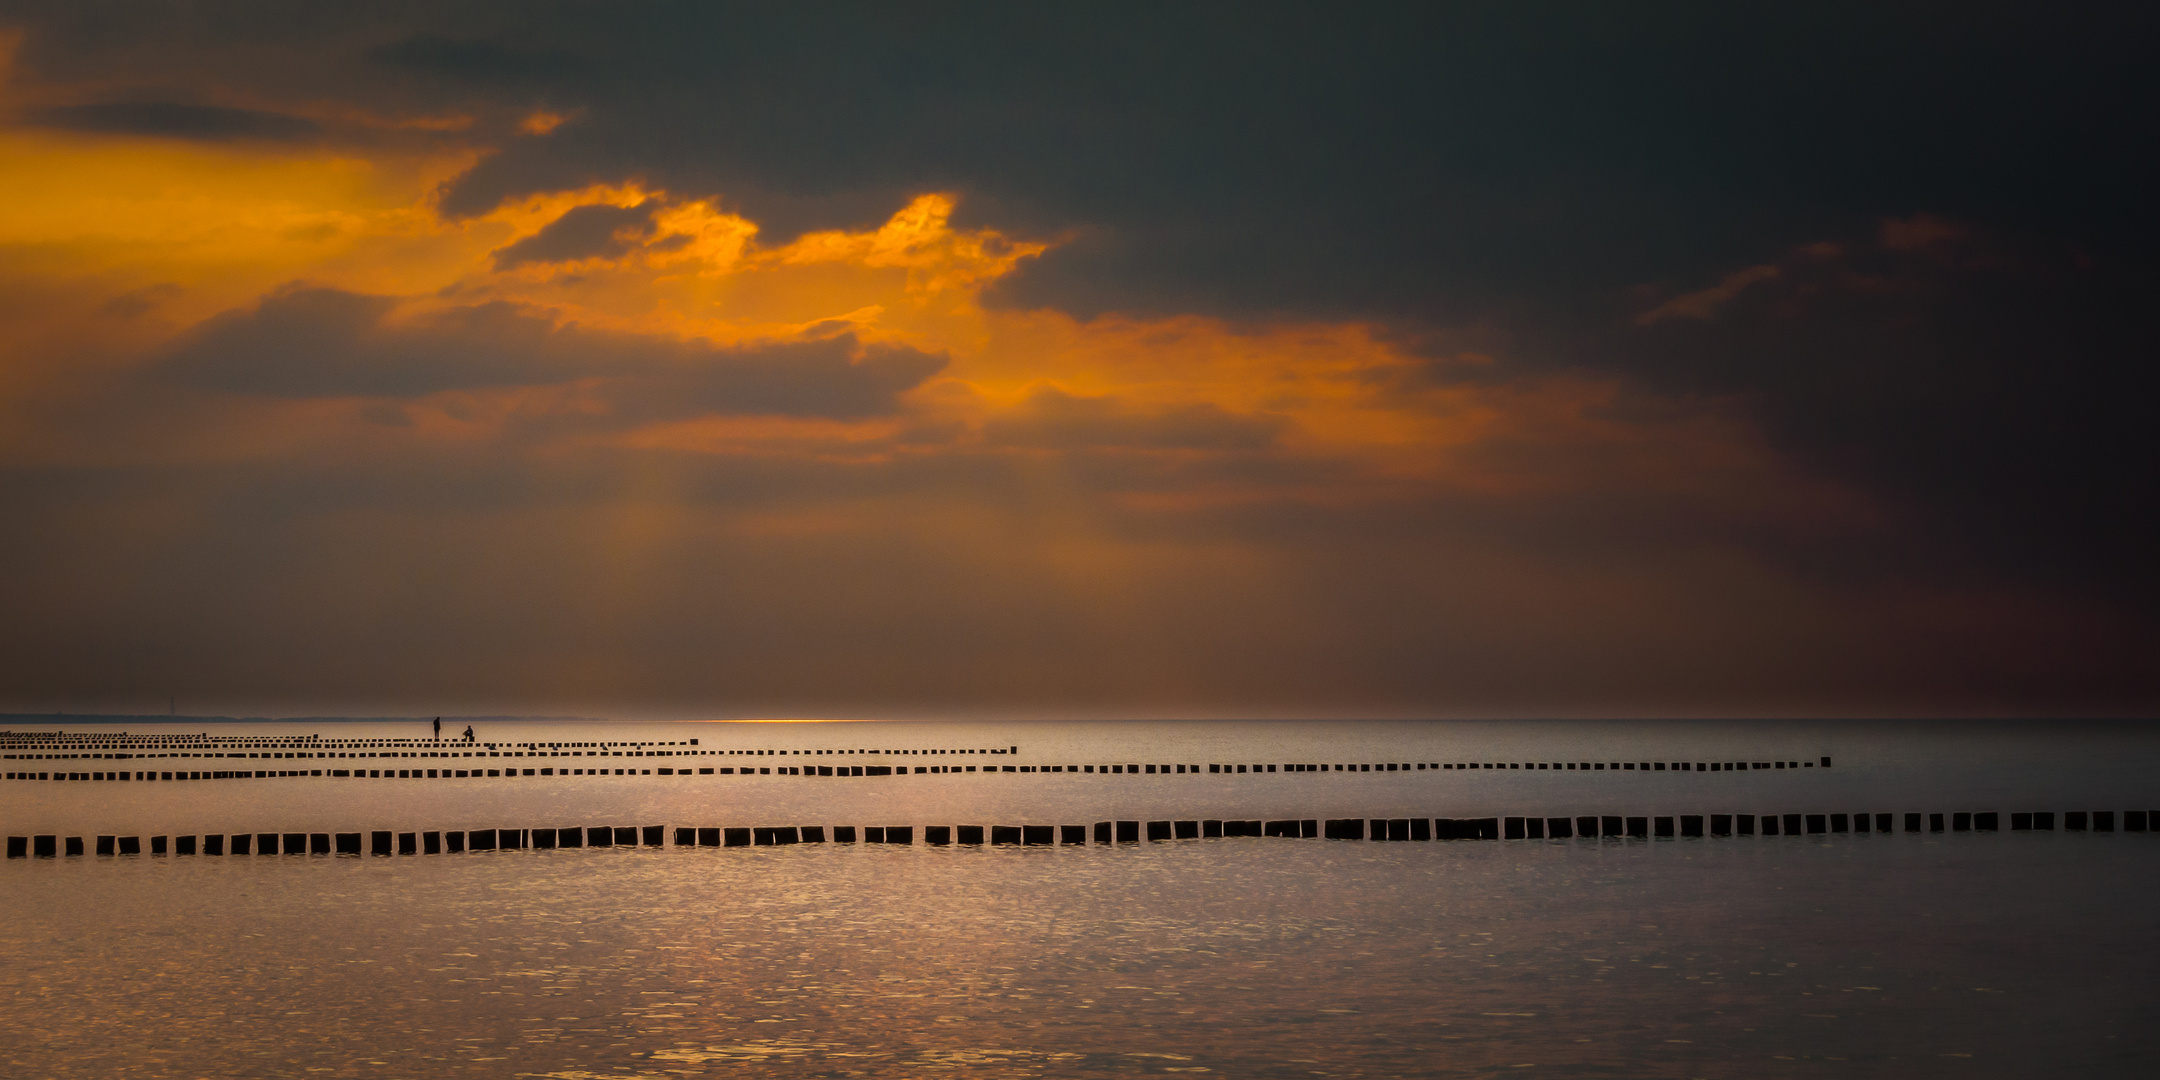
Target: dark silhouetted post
(1345, 829)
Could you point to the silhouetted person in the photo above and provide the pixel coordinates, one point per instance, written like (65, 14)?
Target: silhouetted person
(468, 733)
(438, 729)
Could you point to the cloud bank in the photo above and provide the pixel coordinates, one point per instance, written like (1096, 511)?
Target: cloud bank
(722, 360)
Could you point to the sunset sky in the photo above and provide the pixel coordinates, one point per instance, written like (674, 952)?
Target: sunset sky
(1026, 360)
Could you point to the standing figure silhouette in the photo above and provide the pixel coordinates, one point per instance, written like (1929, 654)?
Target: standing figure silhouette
(438, 729)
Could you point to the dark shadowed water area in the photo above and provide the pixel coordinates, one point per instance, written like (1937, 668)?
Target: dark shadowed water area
(2012, 953)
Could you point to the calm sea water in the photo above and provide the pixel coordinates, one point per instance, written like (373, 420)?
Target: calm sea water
(1984, 955)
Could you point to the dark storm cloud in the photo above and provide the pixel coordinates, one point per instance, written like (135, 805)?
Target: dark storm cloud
(1417, 160)
(1424, 161)
(313, 342)
(1640, 192)
(1525, 168)
(1444, 145)
(2001, 388)
(582, 233)
(470, 61)
(212, 123)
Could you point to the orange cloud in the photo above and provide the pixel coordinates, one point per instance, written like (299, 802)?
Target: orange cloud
(205, 229)
(542, 122)
(605, 409)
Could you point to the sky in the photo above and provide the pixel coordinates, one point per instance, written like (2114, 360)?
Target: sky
(1104, 360)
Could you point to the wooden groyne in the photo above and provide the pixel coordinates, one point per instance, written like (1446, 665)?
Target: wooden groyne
(121, 757)
(1646, 828)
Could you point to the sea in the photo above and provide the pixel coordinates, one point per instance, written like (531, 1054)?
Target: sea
(1939, 899)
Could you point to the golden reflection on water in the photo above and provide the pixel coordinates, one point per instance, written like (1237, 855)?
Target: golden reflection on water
(1849, 957)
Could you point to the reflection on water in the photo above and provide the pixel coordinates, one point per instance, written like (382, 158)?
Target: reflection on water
(2012, 955)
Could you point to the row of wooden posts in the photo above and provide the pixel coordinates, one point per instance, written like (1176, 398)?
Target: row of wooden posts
(1646, 827)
